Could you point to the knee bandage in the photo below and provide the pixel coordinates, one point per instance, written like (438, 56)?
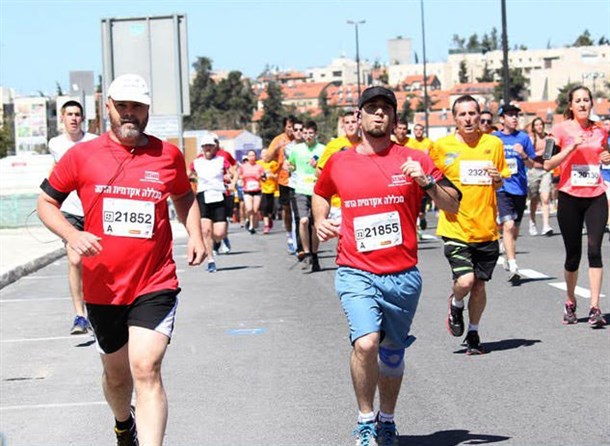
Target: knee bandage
(391, 361)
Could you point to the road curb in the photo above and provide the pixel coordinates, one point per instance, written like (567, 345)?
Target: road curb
(34, 265)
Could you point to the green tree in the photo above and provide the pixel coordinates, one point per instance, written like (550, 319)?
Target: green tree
(463, 73)
(271, 123)
(584, 39)
(562, 97)
(6, 141)
(603, 41)
(200, 92)
(406, 114)
(233, 102)
(487, 75)
(518, 85)
(473, 43)
(459, 42)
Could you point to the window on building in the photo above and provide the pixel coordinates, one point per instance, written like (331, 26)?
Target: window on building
(337, 73)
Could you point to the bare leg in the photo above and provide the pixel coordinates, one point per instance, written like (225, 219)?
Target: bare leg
(75, 281)
(477, 302)
(117, 383)
(595, 282)
(146, 351)
(365, 370)
(571, 278)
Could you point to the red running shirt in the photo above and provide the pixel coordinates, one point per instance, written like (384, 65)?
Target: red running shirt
(124, 192)
(580, 171)
(379, 207)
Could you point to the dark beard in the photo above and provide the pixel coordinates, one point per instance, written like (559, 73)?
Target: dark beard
(376, 133)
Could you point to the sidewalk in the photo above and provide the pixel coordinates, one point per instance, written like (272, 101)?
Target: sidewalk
(25, 250)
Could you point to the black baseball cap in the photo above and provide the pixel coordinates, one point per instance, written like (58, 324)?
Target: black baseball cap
(508, 108)
(377, 92)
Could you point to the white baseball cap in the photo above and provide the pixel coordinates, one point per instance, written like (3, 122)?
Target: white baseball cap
(207, 140)
(129, 87)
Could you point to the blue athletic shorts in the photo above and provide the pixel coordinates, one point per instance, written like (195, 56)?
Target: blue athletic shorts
(379, 303)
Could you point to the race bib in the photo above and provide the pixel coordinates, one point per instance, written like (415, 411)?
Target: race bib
(473, 172)
(378, 231)
(128, 218)
(584, 175)
(212, 196)
(252, 185)
(512, 165)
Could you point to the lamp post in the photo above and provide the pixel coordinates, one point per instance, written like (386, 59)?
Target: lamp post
(505, 72)
(423, 35)
(356, 23)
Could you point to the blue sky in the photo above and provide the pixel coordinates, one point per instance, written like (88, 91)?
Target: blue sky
(41, 41)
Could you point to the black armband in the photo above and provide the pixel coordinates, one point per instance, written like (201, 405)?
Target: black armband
(52, 192)
(444, 182)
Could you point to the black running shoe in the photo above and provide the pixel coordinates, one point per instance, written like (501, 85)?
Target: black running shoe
(473, 343)
(315, 264)
(129, 436)
(455, 319)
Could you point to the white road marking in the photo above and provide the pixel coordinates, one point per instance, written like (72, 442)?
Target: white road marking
(579, 291)
(532, 274)
(34, 277)
(428, 237)
(12, 301)
(56, 338)
(51, 405)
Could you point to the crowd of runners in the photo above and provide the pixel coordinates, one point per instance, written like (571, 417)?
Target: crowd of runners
(371, 188)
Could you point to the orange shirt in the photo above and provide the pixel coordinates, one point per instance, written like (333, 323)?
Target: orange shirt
(276, 152)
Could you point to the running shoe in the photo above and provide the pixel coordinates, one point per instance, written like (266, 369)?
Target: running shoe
(127, 437)
(473, 344)
(423, 224)
(387, 435)
(455, 319)
(365, 434)
(596, 320)
(547, 232)
(533, 230)
(315, 264)
(569, 314)
(80, 326)
(225, 247)
(211, 267)
(291, 248)
(514, 277)
(252, 231)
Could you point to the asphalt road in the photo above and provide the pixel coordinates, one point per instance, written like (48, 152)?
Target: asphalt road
(260, 357)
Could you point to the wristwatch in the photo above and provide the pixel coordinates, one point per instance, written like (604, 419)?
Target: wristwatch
(431, 183)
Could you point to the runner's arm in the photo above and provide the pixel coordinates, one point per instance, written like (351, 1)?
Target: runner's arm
(84, 243)
(187, 210)
(325, 228)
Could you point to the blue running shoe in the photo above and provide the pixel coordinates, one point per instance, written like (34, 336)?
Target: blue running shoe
(365, 434)
(387, 434)
(80, 326)
(211, 267)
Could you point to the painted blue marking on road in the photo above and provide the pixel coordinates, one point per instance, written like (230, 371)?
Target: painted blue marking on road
(246, 331)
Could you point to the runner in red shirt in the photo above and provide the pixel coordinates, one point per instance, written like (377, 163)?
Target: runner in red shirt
(381, 185)
(124, 179)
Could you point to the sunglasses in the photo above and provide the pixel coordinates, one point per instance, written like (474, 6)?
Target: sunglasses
(485, 121)
(297, 130)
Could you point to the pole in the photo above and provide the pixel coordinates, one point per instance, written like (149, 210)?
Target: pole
(356, 23)
(505, 72)
(358, 60)
(423, 33)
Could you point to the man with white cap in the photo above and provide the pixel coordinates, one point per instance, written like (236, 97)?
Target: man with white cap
(211, 171)
(124, 179)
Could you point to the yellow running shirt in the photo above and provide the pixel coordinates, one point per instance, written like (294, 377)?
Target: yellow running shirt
(334, 146)
(462, 164)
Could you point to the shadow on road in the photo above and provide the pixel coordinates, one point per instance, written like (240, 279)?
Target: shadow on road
(506, 344)
(449, 438)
